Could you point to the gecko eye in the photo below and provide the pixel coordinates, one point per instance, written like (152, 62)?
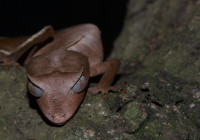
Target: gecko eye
(34, 90)
(79, 85)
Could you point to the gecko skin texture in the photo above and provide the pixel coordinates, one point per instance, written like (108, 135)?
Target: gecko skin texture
(59, 71)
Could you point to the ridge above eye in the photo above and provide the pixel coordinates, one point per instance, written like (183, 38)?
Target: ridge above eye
(79, 85)
(35, 90)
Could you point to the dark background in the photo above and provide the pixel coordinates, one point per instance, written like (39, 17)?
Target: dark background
(24, 17)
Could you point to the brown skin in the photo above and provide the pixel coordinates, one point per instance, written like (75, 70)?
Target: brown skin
(60, 70)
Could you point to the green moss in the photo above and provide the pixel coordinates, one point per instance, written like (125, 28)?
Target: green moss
(132, 113)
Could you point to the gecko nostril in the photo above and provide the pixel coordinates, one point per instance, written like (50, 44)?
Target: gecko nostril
(58, 115)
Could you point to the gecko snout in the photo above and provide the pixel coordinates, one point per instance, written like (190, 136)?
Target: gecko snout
(59, 118)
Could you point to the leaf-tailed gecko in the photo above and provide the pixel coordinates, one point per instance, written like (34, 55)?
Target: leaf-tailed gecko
(59, 71)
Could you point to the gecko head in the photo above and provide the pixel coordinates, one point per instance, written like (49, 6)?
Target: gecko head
(59, 88)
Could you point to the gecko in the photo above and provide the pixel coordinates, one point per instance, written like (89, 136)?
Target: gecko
(59, 65)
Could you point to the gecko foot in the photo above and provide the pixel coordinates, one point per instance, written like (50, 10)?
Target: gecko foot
(7, 60)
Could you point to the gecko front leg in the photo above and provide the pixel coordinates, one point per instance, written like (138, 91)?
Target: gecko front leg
(109, 68)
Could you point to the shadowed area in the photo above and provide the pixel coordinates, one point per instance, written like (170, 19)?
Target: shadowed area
(27, 17)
